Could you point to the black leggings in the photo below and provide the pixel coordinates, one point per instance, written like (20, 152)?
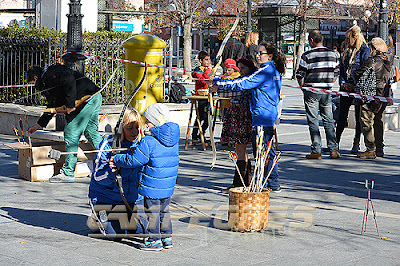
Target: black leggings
(345, 103)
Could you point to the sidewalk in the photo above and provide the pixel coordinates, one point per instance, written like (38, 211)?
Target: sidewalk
(316, 219)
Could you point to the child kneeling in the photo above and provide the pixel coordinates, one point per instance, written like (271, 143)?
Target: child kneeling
(158, 156)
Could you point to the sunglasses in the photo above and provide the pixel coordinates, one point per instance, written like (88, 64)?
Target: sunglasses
(261, 53)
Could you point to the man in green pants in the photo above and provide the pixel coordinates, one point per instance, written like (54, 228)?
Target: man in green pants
(63, 86)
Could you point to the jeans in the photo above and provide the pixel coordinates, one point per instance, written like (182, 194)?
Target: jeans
(345, 103)
(159, 218)
(322, 102)
(273, 180)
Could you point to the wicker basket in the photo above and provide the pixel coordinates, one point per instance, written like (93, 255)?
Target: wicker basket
(248, 211)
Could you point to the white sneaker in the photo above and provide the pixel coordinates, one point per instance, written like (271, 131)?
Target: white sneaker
(61, 177)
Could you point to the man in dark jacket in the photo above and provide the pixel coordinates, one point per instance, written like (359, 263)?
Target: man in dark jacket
(234, 49)
(63, 86)
(371, 113)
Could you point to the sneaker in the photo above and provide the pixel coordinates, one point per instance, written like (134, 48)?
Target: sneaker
(226, 190)
(335, 155)
(61, 177)
(367, 155)
(379, 153)
(314, 155)
(167, 242)
(275, 190)
(152, 246)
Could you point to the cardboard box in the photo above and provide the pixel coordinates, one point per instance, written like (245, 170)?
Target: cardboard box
(34, 165)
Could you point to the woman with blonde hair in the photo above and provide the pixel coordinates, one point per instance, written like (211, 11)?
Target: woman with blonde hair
(371, 112)
(103, 190)
(251, 45)
(354, 55)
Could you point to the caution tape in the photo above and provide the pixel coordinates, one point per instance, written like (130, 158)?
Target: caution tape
(331, 92)
(141, 63)
(16, 86)
(348, 94)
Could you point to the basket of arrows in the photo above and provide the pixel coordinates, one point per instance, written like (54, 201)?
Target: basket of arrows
(249, 205)
(248, 211)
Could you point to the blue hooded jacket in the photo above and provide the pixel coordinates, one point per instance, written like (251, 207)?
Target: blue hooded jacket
(102, 185)
(265, 84)
(157, 155)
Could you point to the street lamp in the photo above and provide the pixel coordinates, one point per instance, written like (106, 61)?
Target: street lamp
(74, 58)
(171, 8)
(384, 21)
(248, 27)
(367, 15)
(209, 11)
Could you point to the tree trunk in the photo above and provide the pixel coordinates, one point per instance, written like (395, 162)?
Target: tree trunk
(187, 42)
(302, 41)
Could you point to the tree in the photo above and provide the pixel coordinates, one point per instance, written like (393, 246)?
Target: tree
(186, 13)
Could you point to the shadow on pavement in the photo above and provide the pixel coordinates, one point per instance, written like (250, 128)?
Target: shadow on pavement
(69, 222)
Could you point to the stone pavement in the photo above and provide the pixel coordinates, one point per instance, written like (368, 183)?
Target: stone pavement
(315, 220)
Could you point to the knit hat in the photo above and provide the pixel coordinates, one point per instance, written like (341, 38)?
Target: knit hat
(231, 63)
(379, 45)
(157, 114)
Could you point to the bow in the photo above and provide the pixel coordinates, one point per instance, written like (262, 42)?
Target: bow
(218, 59)
(116, 144)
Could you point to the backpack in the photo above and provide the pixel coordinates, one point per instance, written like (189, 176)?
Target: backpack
(366, 85)
(176, 93)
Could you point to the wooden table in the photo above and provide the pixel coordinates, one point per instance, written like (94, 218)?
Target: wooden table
(194, 105)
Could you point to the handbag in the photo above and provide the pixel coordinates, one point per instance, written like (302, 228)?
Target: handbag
(366, 85)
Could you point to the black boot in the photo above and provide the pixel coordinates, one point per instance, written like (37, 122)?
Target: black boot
(248, 176)
(237, 182)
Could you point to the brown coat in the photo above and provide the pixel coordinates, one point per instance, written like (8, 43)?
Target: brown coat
(382, 69)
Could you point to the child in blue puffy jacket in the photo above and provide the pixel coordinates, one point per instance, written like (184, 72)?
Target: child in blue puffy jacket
(157, 155)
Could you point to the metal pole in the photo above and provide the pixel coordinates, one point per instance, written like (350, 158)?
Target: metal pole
(384, 21)
(177, 46)
(209, 40)
(171, 51)
(73, 58)
(248, 27)
(294, 47)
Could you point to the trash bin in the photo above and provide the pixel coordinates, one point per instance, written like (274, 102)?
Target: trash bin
(143, 48)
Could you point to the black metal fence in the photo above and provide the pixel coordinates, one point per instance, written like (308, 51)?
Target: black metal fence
(17, 55)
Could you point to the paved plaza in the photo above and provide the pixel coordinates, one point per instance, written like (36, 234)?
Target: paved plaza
(315, 220)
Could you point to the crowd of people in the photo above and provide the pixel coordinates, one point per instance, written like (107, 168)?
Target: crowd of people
(252, 80)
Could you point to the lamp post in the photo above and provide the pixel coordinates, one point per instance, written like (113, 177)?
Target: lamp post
(367, 15)
(248, 26)
(74, 58)
(209, 11)
(171, 8)
(384, 21)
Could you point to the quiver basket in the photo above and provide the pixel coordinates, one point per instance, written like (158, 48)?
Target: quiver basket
(248, 211)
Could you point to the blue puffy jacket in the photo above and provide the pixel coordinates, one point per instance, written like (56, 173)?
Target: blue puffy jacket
(102, 185)
(265, 84)
(158, 157)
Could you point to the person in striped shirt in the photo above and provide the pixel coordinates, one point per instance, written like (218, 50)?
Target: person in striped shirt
(319, 68)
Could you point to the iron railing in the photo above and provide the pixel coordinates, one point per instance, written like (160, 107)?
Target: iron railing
(17, 55)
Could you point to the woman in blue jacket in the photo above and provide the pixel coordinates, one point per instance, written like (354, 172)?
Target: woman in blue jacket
(265, 85)
(353, 57)
(103, 189)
